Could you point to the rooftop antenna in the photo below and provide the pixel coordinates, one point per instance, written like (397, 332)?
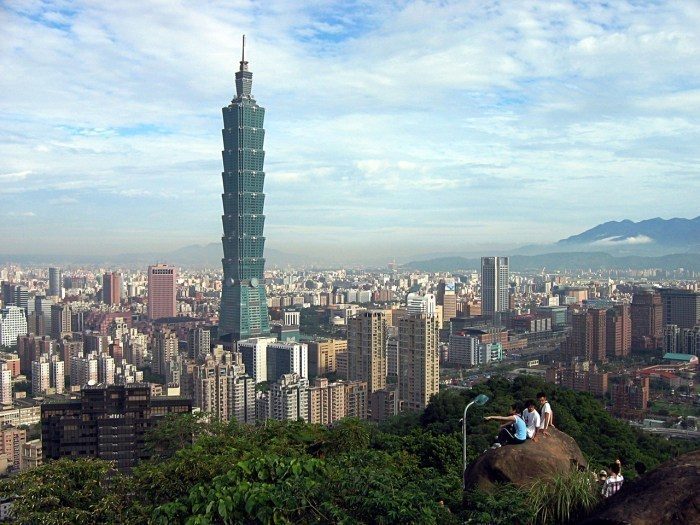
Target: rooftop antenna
(244, 64)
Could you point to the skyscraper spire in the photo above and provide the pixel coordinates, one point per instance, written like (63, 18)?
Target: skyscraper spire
(244, 64)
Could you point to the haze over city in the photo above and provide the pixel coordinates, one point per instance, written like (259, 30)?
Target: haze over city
(391, 128)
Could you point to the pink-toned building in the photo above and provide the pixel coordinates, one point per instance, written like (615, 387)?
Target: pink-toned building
(162, 287)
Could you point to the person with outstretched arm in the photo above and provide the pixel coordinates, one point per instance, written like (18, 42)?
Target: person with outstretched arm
(513, 430)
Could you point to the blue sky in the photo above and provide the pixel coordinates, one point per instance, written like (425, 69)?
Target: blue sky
(393, 128)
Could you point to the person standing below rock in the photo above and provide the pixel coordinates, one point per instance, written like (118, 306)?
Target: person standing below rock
(547, 419)
(513, 430)
(532, 420)
(614, 480)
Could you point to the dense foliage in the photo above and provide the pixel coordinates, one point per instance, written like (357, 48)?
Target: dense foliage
(407, 470)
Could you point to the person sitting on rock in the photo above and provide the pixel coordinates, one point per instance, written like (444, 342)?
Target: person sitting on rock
(513, 430)
(614, 481)
(532, 420)
(547, 417)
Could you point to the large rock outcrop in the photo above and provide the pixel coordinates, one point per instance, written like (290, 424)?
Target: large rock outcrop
(668, 495)
(522, 464)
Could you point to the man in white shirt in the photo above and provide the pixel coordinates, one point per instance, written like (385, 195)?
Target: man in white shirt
(614, 481)
(547, 419)
(532, 420)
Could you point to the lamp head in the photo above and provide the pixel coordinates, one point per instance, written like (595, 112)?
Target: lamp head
(481, 399)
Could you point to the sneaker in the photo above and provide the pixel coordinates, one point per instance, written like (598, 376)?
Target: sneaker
(496, 445)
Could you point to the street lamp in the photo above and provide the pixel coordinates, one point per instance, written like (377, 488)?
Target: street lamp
(479, 400)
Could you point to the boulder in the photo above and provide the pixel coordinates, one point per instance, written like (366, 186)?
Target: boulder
(522, 464)
(668, 495)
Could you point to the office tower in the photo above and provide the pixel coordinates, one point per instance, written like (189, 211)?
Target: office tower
(680, 307)
(419, 369)
(13, 324)
(322, 355)
(83, 370)
(367, 361)
(447, 297)
(5, 385)
(288, 398)
(494, 285)
(164, 350)
(107, 422)
(618, 331)
(420, 304)
(587, 340)
(22, 297)
(287, 358)
(105, 369)
(254, 354)
(11, 442)
(55, 282)
(42, 316)
(646, 312)
(162, 291)
(243, 312)
(8, 293)
(198, 342)
(41, 376)
(60, 321)
(464, 350)
(112, 288)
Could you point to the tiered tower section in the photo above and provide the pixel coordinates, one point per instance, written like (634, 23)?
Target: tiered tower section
(243, 312)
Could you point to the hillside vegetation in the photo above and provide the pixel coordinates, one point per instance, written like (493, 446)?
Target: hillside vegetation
(407, 470)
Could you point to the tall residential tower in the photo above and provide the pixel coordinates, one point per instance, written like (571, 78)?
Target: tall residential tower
(243, 311)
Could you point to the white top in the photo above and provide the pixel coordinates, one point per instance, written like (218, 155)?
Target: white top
(612, 485)
(532, 421)
(546, 409)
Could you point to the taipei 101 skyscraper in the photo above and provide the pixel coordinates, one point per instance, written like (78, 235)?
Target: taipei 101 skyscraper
(243, 312)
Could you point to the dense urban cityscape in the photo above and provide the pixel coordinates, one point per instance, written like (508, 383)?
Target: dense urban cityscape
(272, 377)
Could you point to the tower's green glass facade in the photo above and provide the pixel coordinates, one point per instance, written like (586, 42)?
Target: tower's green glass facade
(243, 311)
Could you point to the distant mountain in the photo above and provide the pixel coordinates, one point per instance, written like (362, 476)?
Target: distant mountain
(563, 260)
(661, 233)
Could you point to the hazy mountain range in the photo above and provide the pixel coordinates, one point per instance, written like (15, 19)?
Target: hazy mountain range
(653, 243)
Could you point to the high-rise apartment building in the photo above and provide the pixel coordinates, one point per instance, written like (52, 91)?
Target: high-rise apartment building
(587, 340)
(57, 374)
(162, 290)
(254, 355)
(322, 355)
(198, 342)
(5, 385)
(680, 307)
(326, 401)
(495, 282)
(107, 422)
(13, 324)
(224, 391)
(11, 442)
(630, 397)
(618, 331)
(243, 312)
(41, 376)
(165, 346)
(367, 334)
(419, 360)
(288, 398)
(421, 304)
(83, 370)
(646, 312)
(55, 282)
(105, 369)
(112, 288)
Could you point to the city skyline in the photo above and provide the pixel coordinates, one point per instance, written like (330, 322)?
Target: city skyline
(533, 110)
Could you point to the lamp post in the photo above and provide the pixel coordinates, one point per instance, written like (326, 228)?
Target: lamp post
(479, 400)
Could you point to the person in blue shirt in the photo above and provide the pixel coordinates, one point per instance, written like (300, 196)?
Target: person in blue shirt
(513, 430)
